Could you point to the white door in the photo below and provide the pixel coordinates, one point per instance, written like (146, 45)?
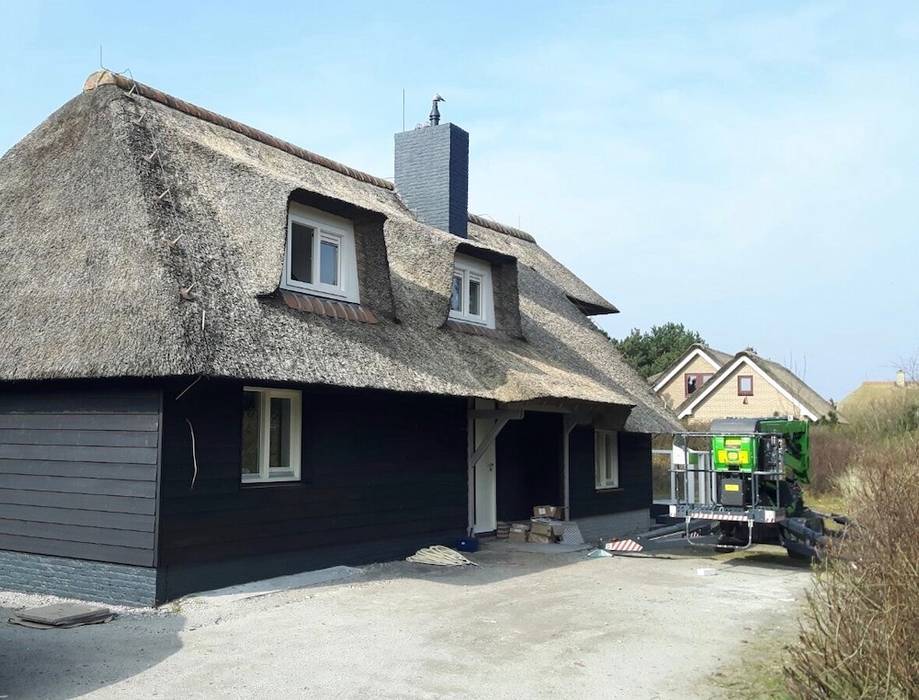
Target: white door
(486, 511)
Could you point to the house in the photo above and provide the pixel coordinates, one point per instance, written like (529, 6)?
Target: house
(874, 396)
(226, 358)
(705, 384)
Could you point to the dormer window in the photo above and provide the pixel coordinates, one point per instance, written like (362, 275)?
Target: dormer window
(471, 297)
(320, 256)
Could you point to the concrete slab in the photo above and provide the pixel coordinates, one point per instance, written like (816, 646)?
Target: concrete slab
(232, 594)
(533, 548)
(519, 625)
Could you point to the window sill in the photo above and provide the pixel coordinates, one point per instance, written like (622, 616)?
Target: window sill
(467, 319)
(472, 328)
(324, 293)
(270, 482)
(608, 489)
(331, 308)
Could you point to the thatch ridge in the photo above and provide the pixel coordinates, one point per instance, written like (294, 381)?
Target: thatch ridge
(105, 77)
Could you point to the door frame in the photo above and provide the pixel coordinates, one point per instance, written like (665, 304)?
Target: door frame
(499, 417)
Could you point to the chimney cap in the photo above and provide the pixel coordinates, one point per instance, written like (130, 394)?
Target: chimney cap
(434, 116)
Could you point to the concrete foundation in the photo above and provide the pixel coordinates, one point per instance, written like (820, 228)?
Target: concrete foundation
(117, 584)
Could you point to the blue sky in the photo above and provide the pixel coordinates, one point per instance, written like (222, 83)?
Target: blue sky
(748, 169)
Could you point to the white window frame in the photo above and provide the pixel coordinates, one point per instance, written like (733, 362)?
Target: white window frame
(266, 475)
(331, 229)
(601, 437)
(471, 269)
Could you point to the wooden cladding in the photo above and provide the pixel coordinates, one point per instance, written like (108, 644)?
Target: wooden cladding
(78, 473)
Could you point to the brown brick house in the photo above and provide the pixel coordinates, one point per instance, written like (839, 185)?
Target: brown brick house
(705, 384)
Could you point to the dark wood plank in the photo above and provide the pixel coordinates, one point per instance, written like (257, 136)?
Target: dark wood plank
(102, 438)
(89, 470)
(79, 501)
(71, 453)
(309, 530)
(365, 536)
(63, 484)
(77, 533)
(70, 516)
(80, 401)
(89, 421)
(79, 550)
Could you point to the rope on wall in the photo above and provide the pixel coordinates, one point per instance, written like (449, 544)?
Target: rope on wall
(194, 456)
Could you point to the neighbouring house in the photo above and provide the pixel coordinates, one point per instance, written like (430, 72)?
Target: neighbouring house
(875, 396)
(227, 358)
(705, 384)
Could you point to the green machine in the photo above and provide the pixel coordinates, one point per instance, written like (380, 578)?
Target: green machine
(760, 461)
(740, 482)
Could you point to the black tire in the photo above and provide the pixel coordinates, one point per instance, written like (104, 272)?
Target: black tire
(797, 556)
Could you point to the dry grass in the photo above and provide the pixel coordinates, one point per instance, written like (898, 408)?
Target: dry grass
(832, 449)
(860, 632)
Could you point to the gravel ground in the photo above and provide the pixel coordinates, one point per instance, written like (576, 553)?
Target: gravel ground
(521, 625)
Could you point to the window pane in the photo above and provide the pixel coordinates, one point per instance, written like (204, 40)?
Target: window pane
(456, 296)
(475, 292)
(250, 432)
(328, 263)
(279, 434)
(746, 385)
(301, 252)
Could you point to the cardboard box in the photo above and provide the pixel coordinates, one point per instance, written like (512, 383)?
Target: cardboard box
(554, 512)
(540, 539)
(517, 536)
(541, 527)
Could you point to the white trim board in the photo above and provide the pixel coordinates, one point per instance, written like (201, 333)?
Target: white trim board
(714, 383)
(696, 352)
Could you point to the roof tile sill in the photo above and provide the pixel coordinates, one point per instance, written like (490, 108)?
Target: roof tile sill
(346, 311)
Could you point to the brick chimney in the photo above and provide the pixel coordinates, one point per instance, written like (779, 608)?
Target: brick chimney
(432, 174)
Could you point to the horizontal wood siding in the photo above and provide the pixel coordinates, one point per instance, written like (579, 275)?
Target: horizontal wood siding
(634, 490)
(380, 473)
(78, 472)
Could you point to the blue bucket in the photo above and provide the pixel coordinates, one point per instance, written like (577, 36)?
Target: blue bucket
(467, 544)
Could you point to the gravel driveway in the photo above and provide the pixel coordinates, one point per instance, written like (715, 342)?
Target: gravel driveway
(521, 625)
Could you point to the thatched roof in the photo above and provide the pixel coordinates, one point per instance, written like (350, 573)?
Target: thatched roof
(124, 198)
(875, 397)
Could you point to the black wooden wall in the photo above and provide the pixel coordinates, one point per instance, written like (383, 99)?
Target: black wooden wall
(382, 474)
(78, 471)
(529, 465)
(634, 490)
